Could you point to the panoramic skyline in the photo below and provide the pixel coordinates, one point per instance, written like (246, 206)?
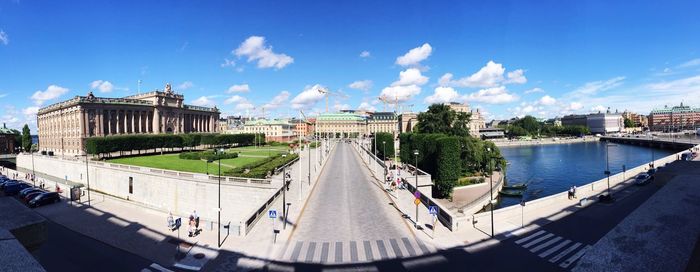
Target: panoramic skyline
(507, 58)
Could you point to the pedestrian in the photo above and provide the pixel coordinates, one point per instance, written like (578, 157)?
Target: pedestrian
(171, 221)
(196, 221)
(573, 191)
(569, 193)
(190, 226)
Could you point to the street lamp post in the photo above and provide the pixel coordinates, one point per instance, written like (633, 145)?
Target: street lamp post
(607, 165)
(384, 156)
(87, 175)
(651, 164)
(415, 152)
(218, 225)
(33, 172)
(491, 186)
(284, 197)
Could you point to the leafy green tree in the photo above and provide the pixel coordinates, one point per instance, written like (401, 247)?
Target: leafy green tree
(448, 166)
(629, 123)
(437, 119)
(385, 143)
(460, 126)
(26, 139)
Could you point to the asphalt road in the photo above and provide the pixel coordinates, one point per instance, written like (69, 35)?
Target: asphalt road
(67, 250)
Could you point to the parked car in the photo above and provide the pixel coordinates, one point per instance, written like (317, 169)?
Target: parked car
(31, 196)
(14, 188)
(7, 182)
(27, 191)
(642, 179)
(44, 199)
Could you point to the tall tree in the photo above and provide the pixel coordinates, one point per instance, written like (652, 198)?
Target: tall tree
(26, 139)
(460, 126)
(440, 118)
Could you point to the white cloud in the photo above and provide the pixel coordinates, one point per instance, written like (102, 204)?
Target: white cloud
(255, 49)
(534, 90)
(339, 107)
(30, 111)
(244, 105)
(400, 93)
(363, 85)
(442, 95)
(410, 76)
(690, 63)
(364, 54)
(598, 108)
(516, 77)
(592, 88)
(496, 95)
(307, 98)
(235, 99)
(491, 75)
(185, 85)
(277, 101)
(573, 106)
(102, 85)
(242, 88)
(414, 56)
(228, 63)
(204, 101)
(51, 92)
(3, 38)
(366, 107)
(547, 100)
(679, 85)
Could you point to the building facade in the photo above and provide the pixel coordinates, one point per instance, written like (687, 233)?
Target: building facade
(340, 125)
(274, 130)
(676, 118)
(383, 122)
(574, 120)
(638, 119)
(604, 123)
(64, 126)
(7, 140)
(476, 121)
(407, 121)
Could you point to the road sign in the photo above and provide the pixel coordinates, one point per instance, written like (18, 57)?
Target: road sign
(417, 201)
(433, 210)
(272, 213)
(416, 194)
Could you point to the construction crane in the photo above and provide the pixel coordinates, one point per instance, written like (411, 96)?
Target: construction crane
(328, 93)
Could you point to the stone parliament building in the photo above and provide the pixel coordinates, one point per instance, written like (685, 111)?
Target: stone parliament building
(64, 126)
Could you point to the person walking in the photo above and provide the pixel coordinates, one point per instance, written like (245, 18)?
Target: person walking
(573, 192)
(569, 193)
(196, 222)
(190, 226)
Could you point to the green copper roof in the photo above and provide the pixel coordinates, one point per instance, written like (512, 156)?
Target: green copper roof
(340, 117)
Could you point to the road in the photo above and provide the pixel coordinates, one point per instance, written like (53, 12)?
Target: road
(348, 218)
(67, 250)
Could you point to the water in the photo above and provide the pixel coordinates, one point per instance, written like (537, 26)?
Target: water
(551, 169)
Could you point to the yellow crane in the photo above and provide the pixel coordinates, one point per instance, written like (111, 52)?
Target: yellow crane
(328, 93)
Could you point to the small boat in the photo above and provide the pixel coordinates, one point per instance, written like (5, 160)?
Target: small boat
(513, 193)
(517, 186)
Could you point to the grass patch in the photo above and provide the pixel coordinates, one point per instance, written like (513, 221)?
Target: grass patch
(173, 162)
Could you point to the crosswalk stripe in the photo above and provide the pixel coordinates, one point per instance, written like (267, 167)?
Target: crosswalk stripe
(422, 247)
(554, 248)
(395, 247)
(564, 253)
(296, 251)
(533, 242)
(338, 252)
(310, 252)
(529, 237)
(409, 247)
(575, 257)
(324, 252)
(382, 249)
(368, 251)
(353, 251)
(545, 244)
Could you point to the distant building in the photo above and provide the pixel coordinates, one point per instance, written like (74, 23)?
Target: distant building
(340, 125)
(383, 122)
(63, 127)
(476, 121)
(274, 130)
(407, 121)
(492, 133)
(495, 123)
(638, 119)
(604, 123)
(301, 127)
(675, 118)
(7, 140)
(574, 120)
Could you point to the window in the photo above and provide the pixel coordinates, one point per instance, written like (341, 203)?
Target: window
(131, 185)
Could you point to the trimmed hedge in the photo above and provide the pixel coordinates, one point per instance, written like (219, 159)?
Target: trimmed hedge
(382, 137)
(109, 144)
(448, 166)
(261, 168)
(208, 155)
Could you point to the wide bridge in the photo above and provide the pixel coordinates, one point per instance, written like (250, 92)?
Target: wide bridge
(661, 142)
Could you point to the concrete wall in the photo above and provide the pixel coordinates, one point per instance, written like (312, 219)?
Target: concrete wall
(178, 192)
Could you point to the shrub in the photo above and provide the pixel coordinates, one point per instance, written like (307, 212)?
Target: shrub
(208, 155)
(448, 166)
(261, 168)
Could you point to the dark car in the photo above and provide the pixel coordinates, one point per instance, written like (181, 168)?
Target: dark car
(44, 199)
(7, 182)
(26, 191)
(14, 188)
(26, 198)
(642, 179)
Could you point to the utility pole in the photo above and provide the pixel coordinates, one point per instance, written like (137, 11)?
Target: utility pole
(218, 223)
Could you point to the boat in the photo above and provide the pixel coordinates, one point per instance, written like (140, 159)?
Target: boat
(517, 186)
(513, 193)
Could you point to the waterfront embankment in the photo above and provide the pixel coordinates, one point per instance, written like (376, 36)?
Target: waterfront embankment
(544, 141)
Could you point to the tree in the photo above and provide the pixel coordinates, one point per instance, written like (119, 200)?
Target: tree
(440, 118)
(629, 123)
(385, 143)
(26, 139)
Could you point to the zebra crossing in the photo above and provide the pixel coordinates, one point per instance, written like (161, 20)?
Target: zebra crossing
(553, 248)
(353, 251)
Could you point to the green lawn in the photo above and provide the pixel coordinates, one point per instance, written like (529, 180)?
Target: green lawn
(260, 151)
(173, 162)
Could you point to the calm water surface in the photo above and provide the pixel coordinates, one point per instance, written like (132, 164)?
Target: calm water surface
(551, 169)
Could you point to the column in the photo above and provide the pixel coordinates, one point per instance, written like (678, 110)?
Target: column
(156, 121)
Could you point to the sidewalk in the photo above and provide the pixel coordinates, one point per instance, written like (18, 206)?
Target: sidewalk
(143, 231)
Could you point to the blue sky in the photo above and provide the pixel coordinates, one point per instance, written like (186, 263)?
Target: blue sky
(508, 58)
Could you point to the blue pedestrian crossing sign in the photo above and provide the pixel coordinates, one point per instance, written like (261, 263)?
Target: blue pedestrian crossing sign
(272, 213)
(433, 210)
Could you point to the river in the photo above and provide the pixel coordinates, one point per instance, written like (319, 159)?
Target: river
(551, 169)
